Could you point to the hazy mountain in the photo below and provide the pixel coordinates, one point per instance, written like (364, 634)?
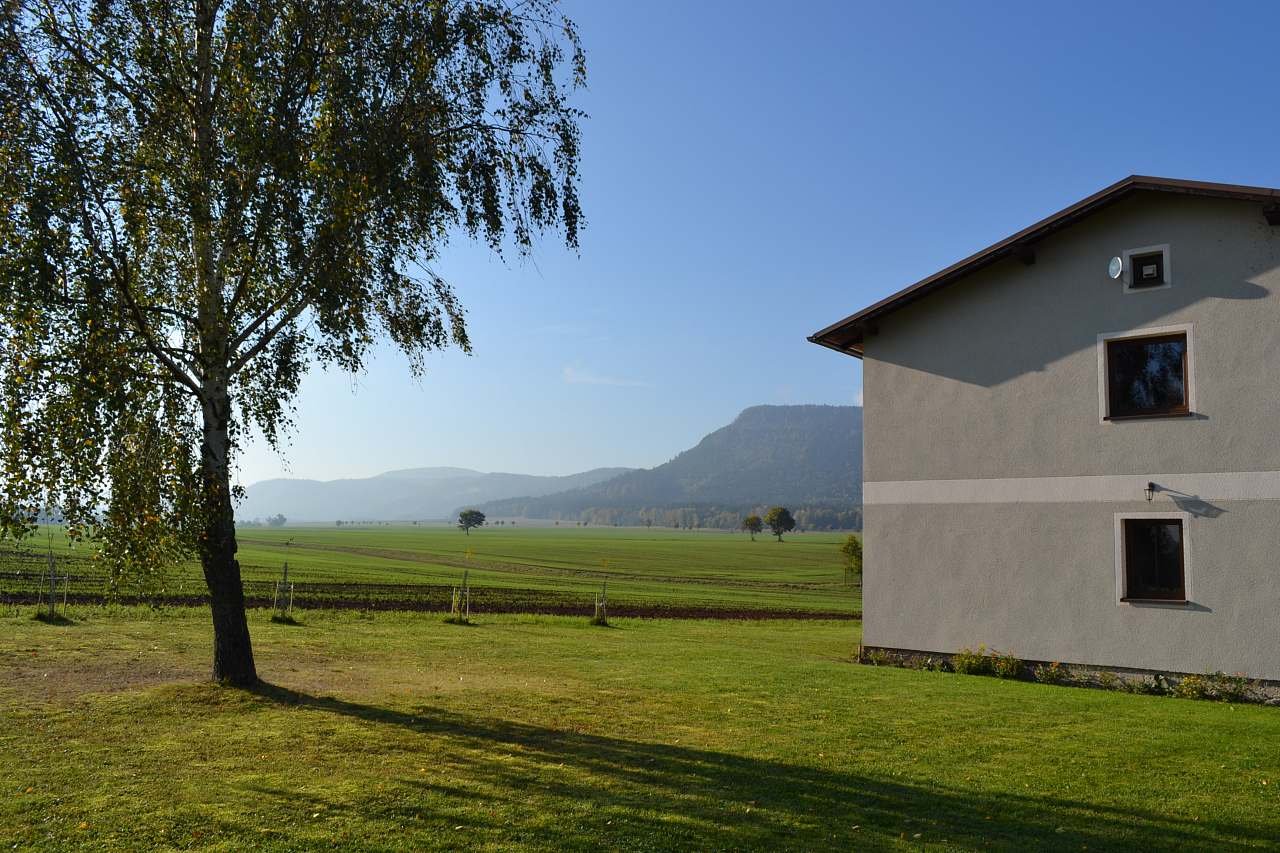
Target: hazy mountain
(409, 494)
(801, 456)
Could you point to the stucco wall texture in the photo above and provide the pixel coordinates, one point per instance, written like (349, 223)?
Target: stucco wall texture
(997, 378)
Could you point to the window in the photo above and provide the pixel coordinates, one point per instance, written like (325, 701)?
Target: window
(1147, 376)
(1148, 268)
(1154, 552)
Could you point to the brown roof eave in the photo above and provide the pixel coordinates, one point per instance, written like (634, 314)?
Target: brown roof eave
(847, 335)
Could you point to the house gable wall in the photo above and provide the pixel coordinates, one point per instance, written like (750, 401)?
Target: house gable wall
(993, 484)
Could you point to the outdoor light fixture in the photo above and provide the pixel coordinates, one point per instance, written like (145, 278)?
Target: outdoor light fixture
(1150, 491)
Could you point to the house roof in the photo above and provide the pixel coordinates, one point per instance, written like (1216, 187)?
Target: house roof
(846, 336)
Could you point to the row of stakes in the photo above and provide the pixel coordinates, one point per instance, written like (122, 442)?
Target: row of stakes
(282, 600)
(459, 607)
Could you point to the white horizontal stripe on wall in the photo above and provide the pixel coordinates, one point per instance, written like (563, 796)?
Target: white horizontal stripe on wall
(1231, 486)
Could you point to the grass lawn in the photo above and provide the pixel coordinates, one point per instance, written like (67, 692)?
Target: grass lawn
(640, 566)
(401, 732)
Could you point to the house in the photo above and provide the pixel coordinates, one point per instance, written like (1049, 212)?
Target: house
(1072, 439)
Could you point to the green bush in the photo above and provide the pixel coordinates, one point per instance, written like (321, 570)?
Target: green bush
(1216, 686)
(1052, 673)
(1005, 666)
(1192, 687)
(1108, 680)
(1151, 685)
(877, 657)
(970, 662)
(1230, 688)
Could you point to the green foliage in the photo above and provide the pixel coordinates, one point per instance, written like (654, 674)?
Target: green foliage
(972, 662)
(1006, 665)
(1192, 687)
(1215, 686)
(983, 662)
(1231, 688)
(1108, 680)
(878, 657)
(753, 525)
(195, 208)
(470, 518)
(1051, 673)
(1150, 685)
(851, 551)
(779, 521)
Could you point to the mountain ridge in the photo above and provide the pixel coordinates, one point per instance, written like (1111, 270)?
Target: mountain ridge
(807, 456)
(407, 494)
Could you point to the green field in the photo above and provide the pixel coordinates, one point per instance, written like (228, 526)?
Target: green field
(669, 567)
(398, 732)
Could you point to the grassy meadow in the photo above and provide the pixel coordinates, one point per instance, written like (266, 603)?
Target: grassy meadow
(398, 732)
(640, 566)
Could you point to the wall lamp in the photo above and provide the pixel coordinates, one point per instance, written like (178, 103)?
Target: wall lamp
(1150, 491)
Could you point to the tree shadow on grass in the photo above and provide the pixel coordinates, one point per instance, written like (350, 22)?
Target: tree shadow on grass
(53, 619)
(573, 790)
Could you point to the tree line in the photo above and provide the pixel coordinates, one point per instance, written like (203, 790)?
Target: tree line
(712, 517)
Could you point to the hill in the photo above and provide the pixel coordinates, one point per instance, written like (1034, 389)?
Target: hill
(405, 495)
(806, 457)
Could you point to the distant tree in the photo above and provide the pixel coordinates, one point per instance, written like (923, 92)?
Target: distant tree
(276, 521)
(779, 520)
(470, 518)
(753, 525)
(851, 550)
(648, 522)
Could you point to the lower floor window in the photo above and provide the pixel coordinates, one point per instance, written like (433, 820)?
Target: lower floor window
(1153, 559)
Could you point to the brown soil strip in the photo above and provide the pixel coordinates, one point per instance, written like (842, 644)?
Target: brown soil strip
(428, 599)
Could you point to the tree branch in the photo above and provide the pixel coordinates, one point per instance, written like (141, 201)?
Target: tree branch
(267, 337)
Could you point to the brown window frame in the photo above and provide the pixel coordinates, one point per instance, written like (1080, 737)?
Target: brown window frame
(1141, 596)
(1171, 412)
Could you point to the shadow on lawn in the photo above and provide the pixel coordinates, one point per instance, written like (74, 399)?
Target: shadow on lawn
(585, 790)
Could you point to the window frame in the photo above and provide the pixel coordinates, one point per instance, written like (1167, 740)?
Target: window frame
(1188, 372)
(1122, 597)
(1167, 265)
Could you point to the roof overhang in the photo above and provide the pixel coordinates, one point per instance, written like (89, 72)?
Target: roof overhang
(847, 335)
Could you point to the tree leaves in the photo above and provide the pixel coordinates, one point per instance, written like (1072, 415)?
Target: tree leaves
(197, 209)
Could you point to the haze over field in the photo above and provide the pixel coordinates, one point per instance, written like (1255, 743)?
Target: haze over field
(405, 495)
(803, 456)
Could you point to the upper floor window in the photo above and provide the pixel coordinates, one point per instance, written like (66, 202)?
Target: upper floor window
(1147, 376)
(1148, 268)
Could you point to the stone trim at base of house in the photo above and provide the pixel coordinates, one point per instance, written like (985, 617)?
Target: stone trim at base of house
(1260, 690)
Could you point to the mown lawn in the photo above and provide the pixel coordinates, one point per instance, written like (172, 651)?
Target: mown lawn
(401, 732)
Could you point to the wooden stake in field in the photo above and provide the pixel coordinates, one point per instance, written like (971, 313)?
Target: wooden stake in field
(460, 607)
(284, 590)
(52, 566)
(53, 591)
(601, 616)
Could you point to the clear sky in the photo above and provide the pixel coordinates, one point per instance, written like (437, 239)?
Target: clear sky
(754, 171)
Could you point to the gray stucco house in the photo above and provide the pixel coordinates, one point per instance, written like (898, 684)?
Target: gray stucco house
(1072, 438)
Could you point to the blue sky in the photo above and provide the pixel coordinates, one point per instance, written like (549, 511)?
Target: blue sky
(754, 171)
